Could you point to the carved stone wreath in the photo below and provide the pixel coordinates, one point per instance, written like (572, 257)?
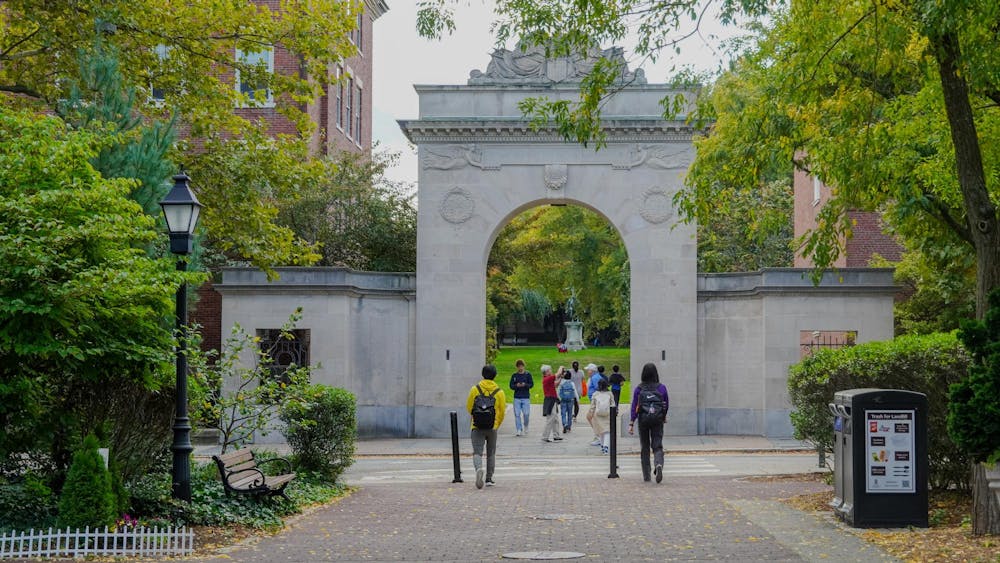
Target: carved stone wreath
(656, 206)
(457, 206)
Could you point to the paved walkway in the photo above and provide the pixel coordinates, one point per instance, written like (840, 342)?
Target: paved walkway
(693, 515)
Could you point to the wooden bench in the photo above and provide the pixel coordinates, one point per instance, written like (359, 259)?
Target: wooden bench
(241, 474)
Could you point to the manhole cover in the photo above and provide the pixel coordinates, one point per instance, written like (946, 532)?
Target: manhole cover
(539, 555)
(560, 517)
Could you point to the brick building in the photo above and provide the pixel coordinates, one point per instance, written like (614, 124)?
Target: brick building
(342, 115)
(869, 237)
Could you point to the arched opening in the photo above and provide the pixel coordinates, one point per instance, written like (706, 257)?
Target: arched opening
(550, 265)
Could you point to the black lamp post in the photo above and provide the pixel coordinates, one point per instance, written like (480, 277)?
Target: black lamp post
(181, 210)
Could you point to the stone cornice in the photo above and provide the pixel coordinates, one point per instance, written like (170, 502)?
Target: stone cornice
(638, 129)
(796, 281)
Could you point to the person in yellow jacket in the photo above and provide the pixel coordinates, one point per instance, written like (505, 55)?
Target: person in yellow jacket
(487, 404)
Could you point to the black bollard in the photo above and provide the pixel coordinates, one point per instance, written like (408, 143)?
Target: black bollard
(614, 443)
(454, 447)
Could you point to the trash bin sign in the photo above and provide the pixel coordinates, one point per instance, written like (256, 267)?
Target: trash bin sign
(889, 436)
(882, 468)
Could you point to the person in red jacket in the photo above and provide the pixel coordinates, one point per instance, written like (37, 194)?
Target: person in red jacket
(549, 405)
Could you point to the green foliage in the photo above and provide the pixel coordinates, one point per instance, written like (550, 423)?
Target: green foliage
(87, 498)
(925, 364)
(545, 251)
(356, 217)
(974, 407)
(100, 101)
(752, 230)
(82, 306)
(25, 504)
(118, 490)
(186, 52)
(210, 506)
(242, 183)
(321, 428)
(940, 285)
(239, 400)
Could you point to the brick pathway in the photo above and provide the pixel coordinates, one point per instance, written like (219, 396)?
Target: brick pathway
(684, 518)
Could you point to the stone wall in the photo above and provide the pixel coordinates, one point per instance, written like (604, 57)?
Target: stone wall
(363, 337)
(360, 333)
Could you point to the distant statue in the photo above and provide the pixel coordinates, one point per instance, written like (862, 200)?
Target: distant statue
(571, 304)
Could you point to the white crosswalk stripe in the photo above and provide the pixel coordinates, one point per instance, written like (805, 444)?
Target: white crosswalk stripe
(521, 469)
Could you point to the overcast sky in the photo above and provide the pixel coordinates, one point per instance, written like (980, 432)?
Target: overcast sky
(402, 59)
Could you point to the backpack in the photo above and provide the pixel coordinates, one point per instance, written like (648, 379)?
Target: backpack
(567, 391)
(651, 406)
(602, 403)
(484, 412)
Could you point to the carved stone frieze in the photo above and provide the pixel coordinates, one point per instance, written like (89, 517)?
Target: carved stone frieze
(457, 206)
(661, 157)
(556, 176)
(450, 157)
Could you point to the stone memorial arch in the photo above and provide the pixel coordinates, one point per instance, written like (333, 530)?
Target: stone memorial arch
(410, 347)
(481, 164)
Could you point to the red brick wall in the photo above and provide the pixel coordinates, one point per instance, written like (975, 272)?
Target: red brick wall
(208, 314)
(806, 208)
(868, 235)
(870, 239)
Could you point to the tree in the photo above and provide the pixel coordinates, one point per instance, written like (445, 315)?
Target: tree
(754, 230)
(354, 215)
(973, 408)
(186, 51)
(81, 304)
(544, 252)
(178, 65)
(239, 400)
(87, 499)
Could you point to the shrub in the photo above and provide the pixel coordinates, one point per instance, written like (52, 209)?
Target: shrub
(974, 410)
(321, 429)
(926, 364)
(87, 499)
(27, 503)
(210, 506)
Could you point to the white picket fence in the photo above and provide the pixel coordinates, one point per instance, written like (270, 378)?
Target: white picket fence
(123, 541)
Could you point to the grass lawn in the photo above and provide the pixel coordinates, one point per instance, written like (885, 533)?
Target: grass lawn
(535, 356)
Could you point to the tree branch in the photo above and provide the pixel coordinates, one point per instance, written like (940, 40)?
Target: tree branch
(943, 213)
(19, 89)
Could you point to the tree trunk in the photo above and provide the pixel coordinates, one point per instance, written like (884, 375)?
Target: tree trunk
(985, 507)
(981, 222)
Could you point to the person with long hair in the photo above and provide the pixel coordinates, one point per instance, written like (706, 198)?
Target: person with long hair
(650, 403)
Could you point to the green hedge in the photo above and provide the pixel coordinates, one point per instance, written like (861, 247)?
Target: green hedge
(321, 429)
(926, 364)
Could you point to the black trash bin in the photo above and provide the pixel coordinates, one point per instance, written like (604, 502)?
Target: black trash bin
(884, 448)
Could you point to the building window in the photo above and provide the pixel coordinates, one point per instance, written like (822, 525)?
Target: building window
(357, 117)
(157, 94)
(257, 93)
(817, 186)
(284, 349)
(340, 98)
(361, 33)
(811, 341)
(349, 102)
